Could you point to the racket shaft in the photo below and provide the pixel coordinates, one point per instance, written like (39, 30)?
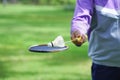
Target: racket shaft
(78, 39)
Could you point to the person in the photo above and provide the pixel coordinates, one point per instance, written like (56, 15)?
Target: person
(100, 21)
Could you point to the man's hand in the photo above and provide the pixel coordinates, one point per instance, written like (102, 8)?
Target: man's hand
(78, 38)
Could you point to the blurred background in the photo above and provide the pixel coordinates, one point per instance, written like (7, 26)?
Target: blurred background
(28, 22)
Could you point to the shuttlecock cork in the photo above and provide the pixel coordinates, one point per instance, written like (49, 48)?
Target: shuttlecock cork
(58, 42)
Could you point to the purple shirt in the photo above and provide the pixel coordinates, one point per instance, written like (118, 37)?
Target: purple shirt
(100, 19)
(84, 11)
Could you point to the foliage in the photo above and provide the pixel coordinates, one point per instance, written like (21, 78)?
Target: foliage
(42, 2)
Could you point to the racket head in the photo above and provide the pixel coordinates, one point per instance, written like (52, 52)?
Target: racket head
(46, 49)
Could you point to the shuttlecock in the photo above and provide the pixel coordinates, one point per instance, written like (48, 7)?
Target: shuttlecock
(58, 42)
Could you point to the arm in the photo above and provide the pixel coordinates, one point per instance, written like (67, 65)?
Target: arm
(81, 20)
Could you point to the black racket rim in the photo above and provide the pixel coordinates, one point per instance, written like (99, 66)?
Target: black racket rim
(50, 49)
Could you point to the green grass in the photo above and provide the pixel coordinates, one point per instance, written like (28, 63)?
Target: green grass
(22, 26)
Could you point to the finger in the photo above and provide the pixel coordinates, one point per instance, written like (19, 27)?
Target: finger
(77, 43)
(85, 38)
(79, 39)
(75, 35)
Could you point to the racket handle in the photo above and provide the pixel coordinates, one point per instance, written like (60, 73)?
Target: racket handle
(79, 38)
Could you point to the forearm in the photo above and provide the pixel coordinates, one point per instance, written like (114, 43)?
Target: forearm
(82, 16)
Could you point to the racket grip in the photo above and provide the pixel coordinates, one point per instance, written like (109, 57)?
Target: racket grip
(79, 38)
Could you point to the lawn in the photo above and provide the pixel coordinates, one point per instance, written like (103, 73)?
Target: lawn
(22, 26)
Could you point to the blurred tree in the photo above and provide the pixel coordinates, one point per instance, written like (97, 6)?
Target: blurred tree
(36, 2)
(4, 2)
(61, 2)
(13, 1)
(40, 2)
(68, 2)
(48, 2)
(69, 5)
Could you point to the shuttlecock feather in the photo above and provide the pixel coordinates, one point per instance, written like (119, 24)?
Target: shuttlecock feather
(58, 42)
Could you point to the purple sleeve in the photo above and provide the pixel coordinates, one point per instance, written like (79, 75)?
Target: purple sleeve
(82, 16)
